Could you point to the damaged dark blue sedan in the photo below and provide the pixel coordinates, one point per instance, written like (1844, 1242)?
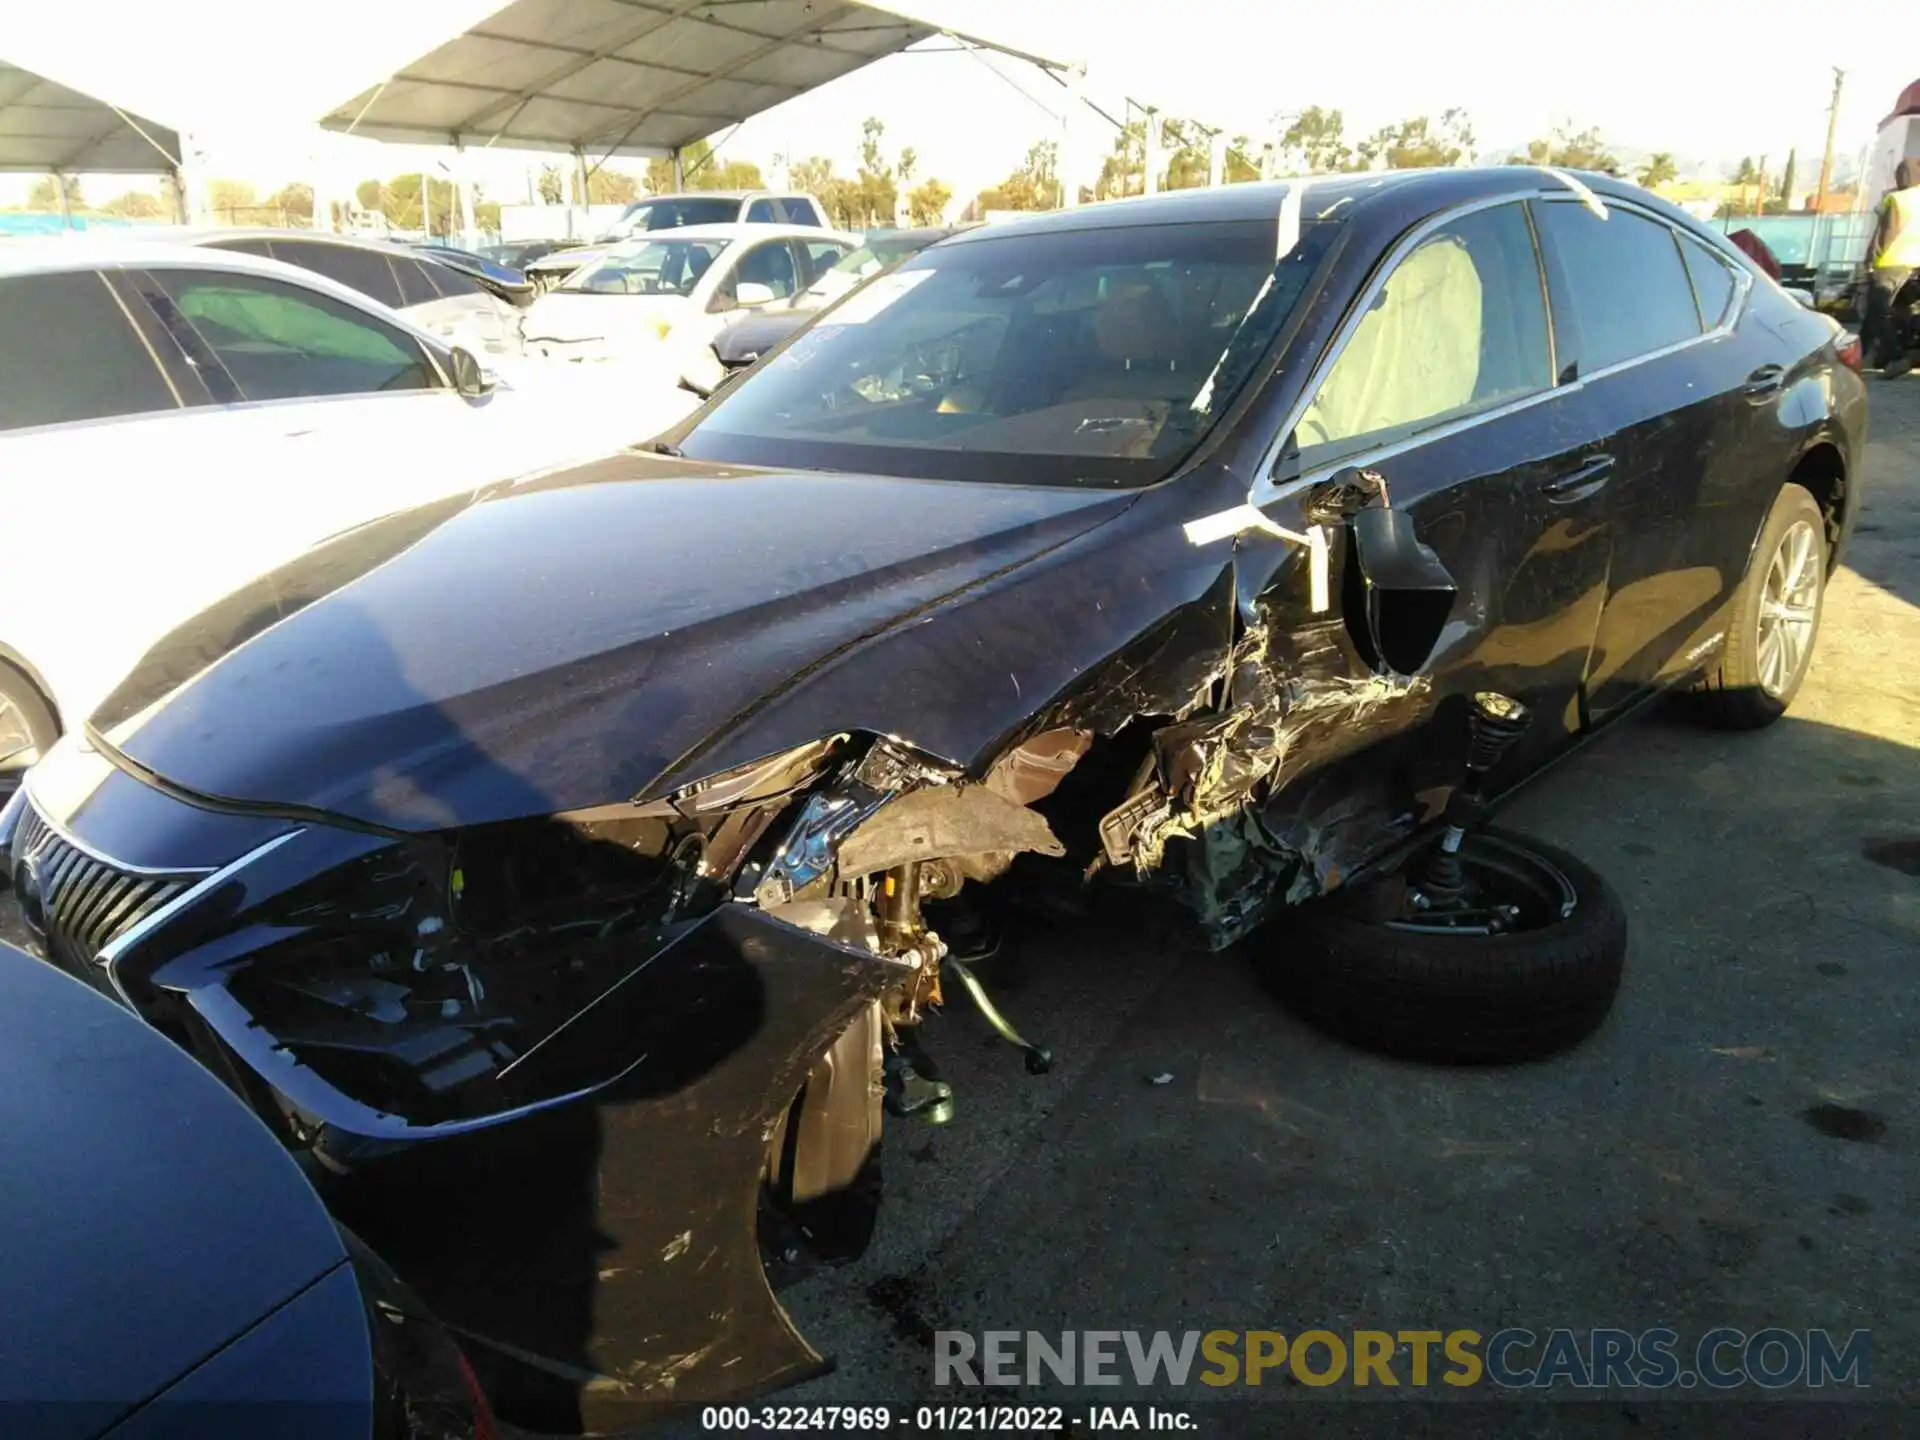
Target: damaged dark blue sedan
(613, 830)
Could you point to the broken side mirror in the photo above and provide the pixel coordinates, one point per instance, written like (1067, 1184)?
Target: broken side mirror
(1397, 588)
(469, 379)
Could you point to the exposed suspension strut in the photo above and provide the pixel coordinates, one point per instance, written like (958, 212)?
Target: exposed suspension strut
(1495, 722)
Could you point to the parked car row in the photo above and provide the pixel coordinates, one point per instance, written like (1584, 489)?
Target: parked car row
(177, 419)
(567, 867)
(677, 212)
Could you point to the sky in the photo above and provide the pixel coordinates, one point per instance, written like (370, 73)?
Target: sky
(1707, 80)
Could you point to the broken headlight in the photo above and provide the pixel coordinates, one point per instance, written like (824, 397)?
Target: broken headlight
(473, 972)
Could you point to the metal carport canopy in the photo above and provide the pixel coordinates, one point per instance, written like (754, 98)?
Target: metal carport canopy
(45, 128)
(625, 77)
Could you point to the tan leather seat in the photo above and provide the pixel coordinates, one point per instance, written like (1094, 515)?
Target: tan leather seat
(1138, 342)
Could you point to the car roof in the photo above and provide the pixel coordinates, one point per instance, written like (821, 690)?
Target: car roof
(1325, 196)
(156, 244)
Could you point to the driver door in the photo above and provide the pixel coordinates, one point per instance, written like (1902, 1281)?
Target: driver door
(1443, 383)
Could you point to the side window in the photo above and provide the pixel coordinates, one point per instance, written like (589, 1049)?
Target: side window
(1460, 326)
(67, 353)
(1712, 281)
(761, 212)
(415, 286)
(823, 255)
(802, 211)
(1629, 293)
(279, 342)
(364, 270)
(769, 264)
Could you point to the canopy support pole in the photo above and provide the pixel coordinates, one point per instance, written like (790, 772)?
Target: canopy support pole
(66, 210)
(581, 176)
(463, 184)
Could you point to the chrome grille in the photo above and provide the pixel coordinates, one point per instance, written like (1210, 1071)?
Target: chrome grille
(78, 902)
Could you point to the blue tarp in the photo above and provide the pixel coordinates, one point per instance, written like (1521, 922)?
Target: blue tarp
(35, 224)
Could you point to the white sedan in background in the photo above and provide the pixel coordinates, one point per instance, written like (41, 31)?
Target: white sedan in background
(177, 420)
(659, 301)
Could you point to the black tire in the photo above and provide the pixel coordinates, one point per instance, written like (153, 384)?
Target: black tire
(21, 701)
(1733, 694)
(1455, 999)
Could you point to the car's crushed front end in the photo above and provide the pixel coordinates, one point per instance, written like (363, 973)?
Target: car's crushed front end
(591, 975)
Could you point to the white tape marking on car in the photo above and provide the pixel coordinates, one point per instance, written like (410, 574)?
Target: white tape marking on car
(1288, 235)
(1242, 518)
(1578, 187)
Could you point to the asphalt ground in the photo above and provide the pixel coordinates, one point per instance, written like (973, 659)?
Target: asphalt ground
(1735, 1147)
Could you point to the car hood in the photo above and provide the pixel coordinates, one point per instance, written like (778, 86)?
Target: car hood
(559, 642)
(567, 316)
(151, 1219)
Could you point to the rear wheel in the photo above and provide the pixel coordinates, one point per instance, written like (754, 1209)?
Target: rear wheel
(1526, 963)
(1775, 619)
(27, 727)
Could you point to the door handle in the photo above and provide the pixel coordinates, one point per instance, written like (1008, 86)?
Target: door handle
(1764, 382)
(1580, 482)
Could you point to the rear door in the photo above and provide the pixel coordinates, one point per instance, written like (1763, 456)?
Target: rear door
(1664, 387)
(1443, 383)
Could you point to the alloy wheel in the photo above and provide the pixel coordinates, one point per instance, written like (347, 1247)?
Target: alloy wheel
(1789, 608)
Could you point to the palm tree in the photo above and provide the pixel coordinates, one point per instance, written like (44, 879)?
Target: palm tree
(1658, 170)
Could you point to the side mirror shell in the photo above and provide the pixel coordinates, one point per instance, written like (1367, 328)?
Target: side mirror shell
(469, 378)
(749, 293)
(1396, 589)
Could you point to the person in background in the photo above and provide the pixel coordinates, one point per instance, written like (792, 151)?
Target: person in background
(1891, 258)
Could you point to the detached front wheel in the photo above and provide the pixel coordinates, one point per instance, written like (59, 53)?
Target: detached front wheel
(1523, 965)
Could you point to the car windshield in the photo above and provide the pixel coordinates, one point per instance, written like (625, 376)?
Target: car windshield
(855, 266)
(659, 267)
(672, 214)
(1072, 357)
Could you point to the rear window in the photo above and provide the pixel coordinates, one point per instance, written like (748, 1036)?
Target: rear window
(1099, 356)
(364, 270)
(415, 286)
(672, 214)
(67, 353)
(449, 282)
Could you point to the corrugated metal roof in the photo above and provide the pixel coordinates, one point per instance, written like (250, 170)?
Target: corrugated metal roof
(44, 126)
(622, 77)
